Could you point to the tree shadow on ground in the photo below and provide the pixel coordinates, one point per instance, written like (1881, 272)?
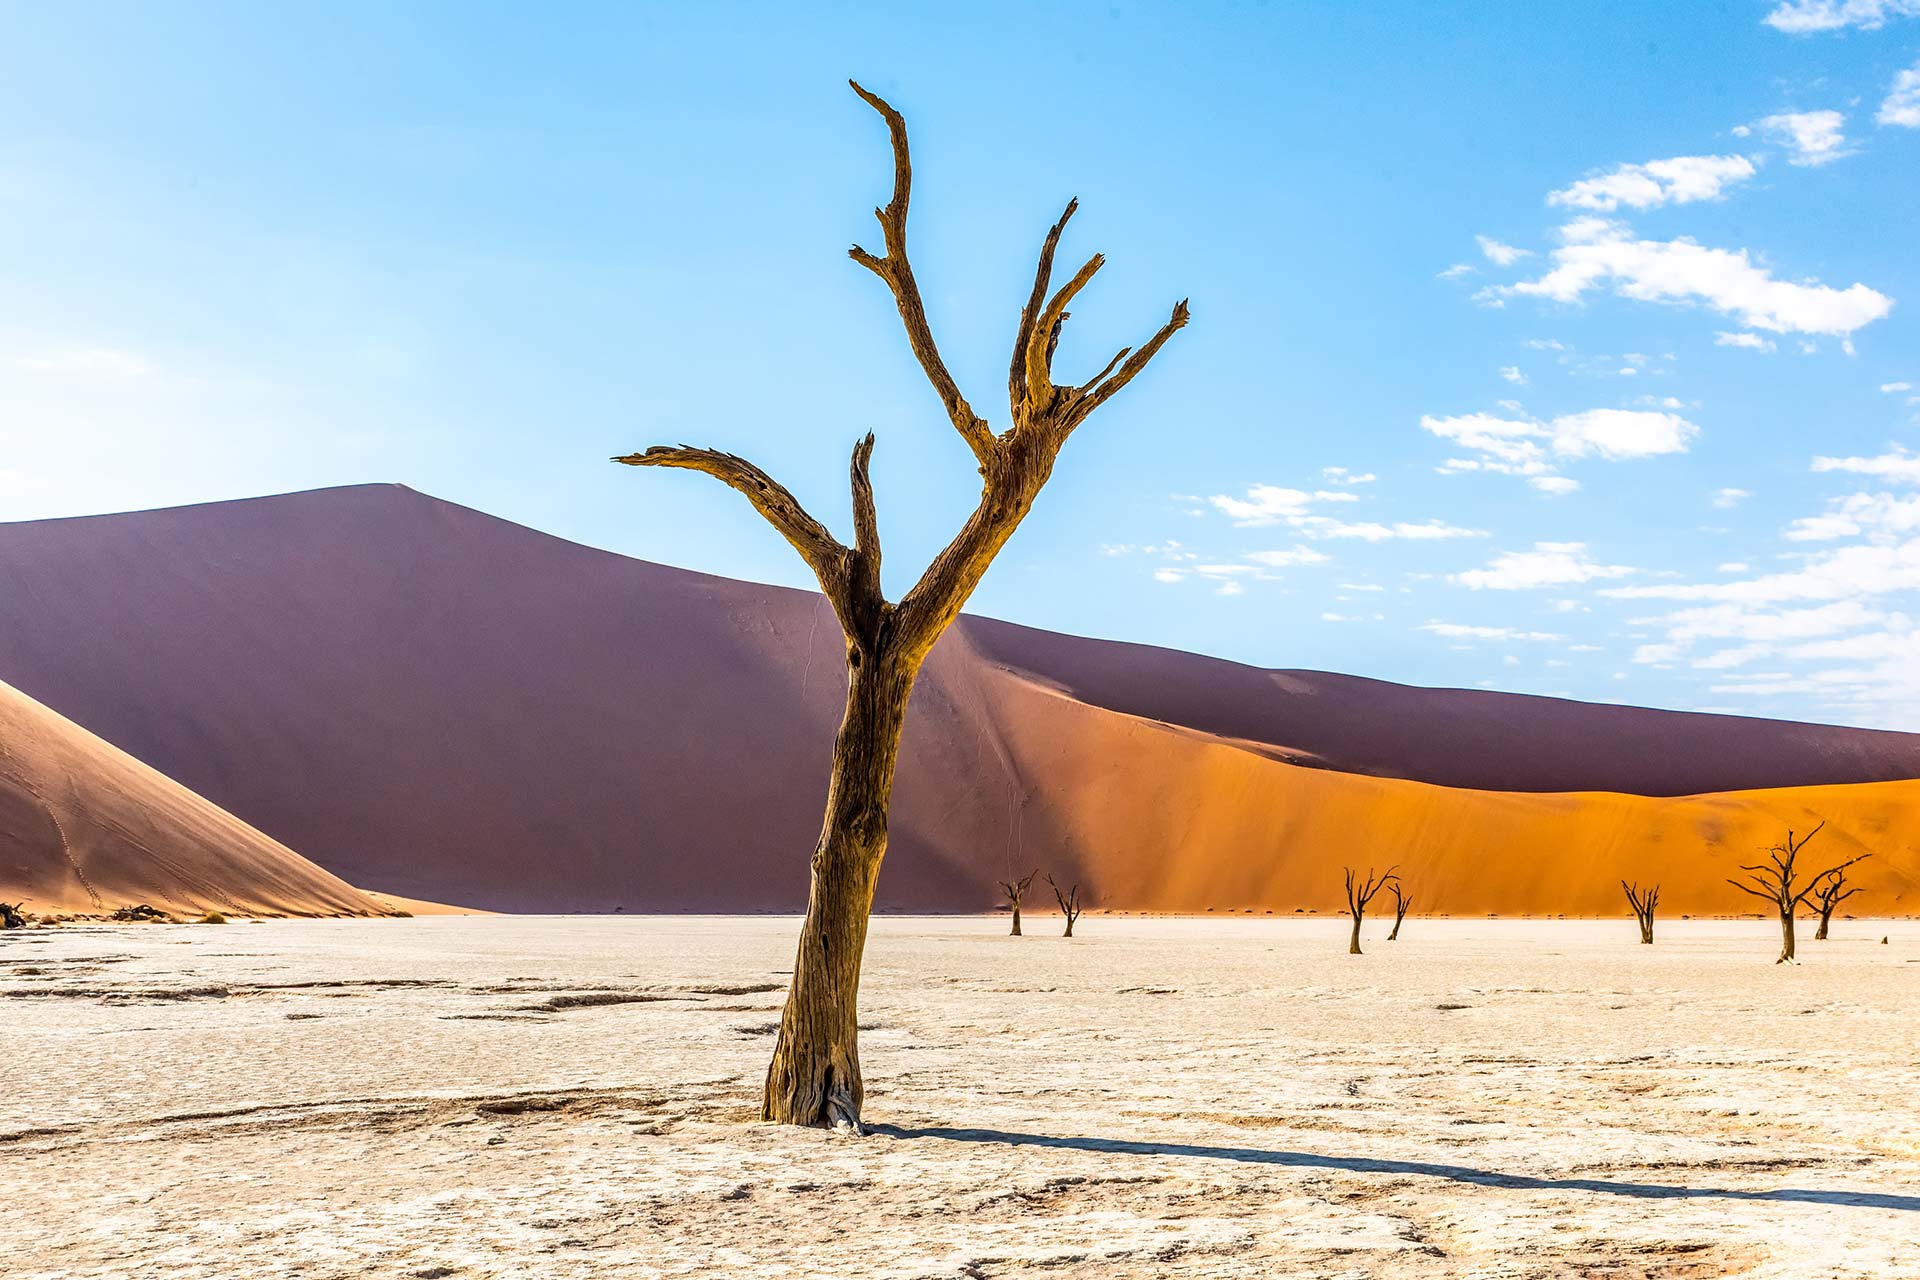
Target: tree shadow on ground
(1416, 1168)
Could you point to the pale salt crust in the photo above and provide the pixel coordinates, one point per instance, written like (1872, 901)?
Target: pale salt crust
(1160, 1097)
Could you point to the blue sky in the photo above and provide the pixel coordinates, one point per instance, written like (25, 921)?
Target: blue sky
(1560, 349)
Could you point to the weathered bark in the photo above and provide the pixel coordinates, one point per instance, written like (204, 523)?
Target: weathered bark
(1015, 891)
(814, 1078)
(1401, 901)
(1776, 881)
(1643, 902)
(1359, 894)
(10, 917)
(815, 1074)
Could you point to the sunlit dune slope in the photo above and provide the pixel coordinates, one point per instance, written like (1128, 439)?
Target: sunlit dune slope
(84, 827)
(452, 707)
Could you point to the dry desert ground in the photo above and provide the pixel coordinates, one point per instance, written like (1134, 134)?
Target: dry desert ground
(576, 1096)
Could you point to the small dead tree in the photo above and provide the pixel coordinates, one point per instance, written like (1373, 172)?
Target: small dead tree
(1401, 901)
(1777, 881)
(1359, 893)
(1829, 892)
(814, 1078)
(10, 917)
(1069, 900)
(1016, 890)
(1643, 901)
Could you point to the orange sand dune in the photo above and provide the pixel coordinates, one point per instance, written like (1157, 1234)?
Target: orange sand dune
(84, 827)
(452, 707)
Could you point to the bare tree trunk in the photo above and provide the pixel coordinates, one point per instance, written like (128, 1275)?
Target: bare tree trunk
(1016, 921)
(815, 1075)
(1646, 929)
(1826, 918)
(1786, 937)
(1353, 943)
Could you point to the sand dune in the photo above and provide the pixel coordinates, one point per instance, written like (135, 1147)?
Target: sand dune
(452, 707)
(84, 827)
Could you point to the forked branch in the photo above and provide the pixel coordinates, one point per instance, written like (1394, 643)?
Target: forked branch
(897, 271)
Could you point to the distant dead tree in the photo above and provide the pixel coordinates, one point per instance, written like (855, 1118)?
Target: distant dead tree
(10, 917)
(1644, 901)
(1069, 900)
(1829, 892)
(1401, 901)
(1016, 890)
(1776, 880)
(814, 1078)
(1359, 893)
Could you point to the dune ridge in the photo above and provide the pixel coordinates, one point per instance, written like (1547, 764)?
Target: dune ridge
(86, 828)
(452, 707)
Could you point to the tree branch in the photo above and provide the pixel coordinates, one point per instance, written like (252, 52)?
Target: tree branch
(1092, 396)
(816, 544)
(898, 273)
(1029, 314)
(1045, 335)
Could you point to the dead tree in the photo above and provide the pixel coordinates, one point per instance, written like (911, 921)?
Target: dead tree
(1776, 880)
(1401, 901)
(1069, 900)
(1359, 894)
(1016, 890)
(1643, 901)
(1829, 892)
(10, 917)
(814, 1078)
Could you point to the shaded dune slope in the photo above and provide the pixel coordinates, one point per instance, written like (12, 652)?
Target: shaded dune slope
(84, 827)
(449, 706)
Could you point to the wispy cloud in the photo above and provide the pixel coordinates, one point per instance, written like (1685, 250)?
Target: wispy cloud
(1504, 255)
(1549, 564)
(1596, 253)
(1803, 17)
(1902, 104)
(1679, 180)
(1812, 138)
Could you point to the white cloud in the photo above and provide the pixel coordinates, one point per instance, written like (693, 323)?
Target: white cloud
(87, 362)
(1726, 498)
(1597, 252)
(1897, 464)
(1814, 137)
(1340, 475)
(1878, 516)
(1841, 574)
(1287, 558)
(1892, 388)
(1265, 504)
(1511, 373)
(1549, 564)
(1902, 104)
(1455, 271)
(1531, 447)
(1680, 180)
(1229, 589)
(1465, 631)
(1169, 575)
(1504, 255)
(1751, 341)
(1800, 17)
